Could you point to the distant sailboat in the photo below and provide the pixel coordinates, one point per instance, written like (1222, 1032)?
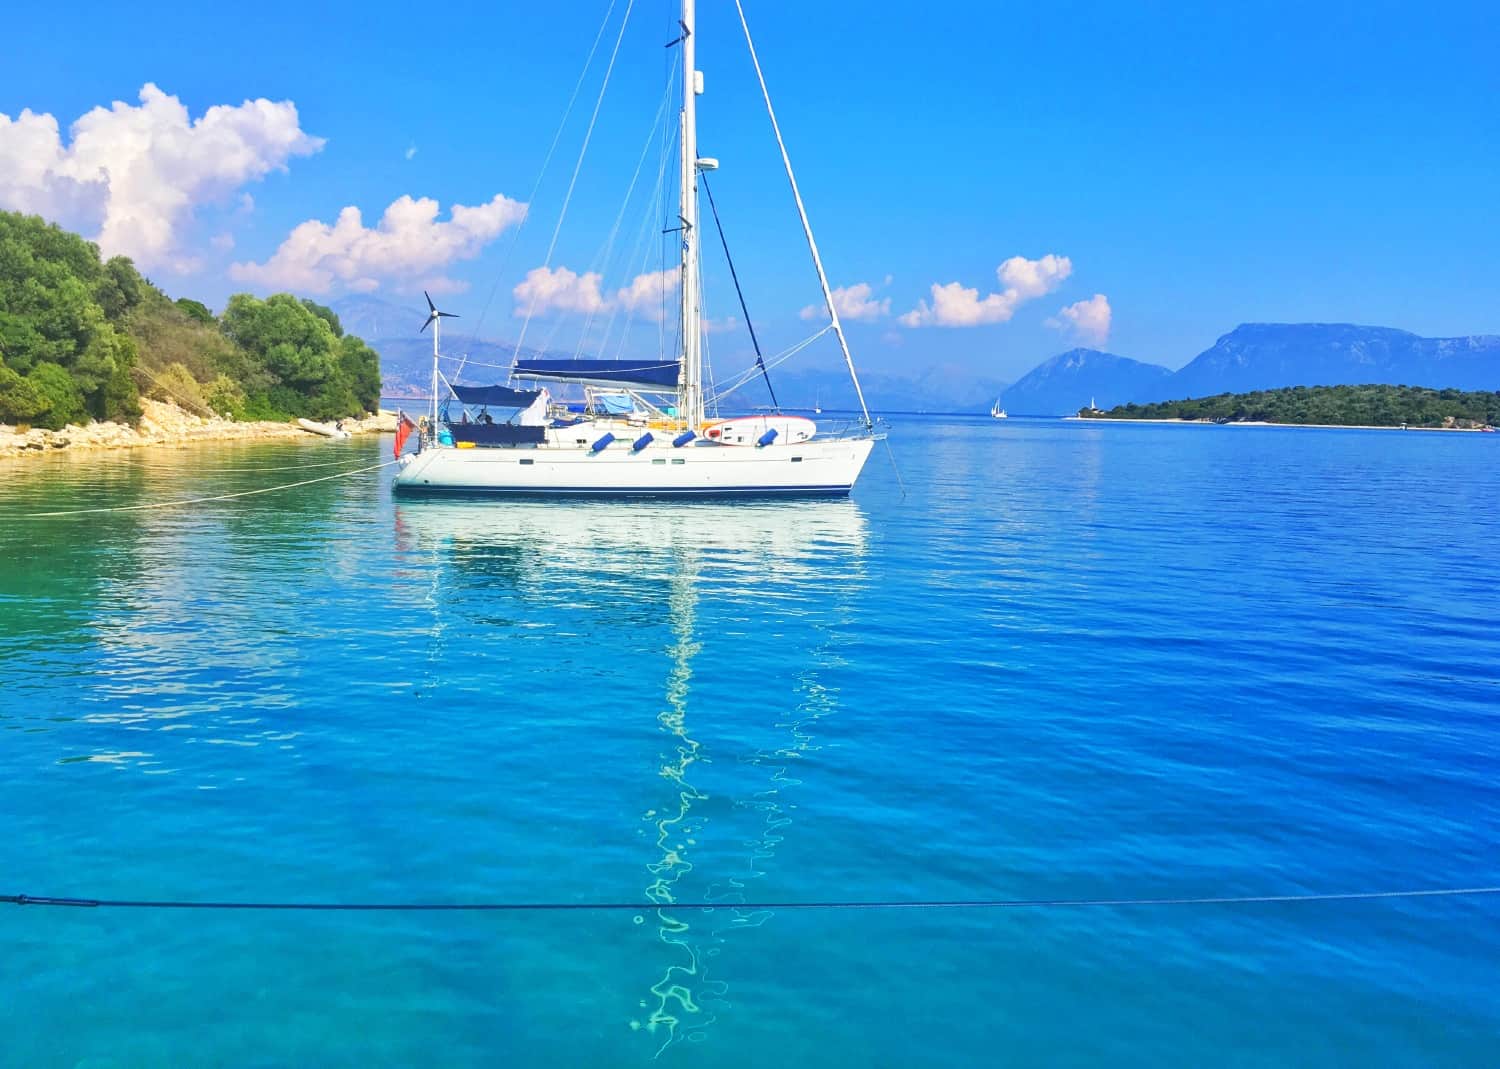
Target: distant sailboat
(998, 412)
(817, 403)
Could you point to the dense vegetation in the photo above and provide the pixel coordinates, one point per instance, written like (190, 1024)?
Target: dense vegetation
(1369, 406)
(83, 338)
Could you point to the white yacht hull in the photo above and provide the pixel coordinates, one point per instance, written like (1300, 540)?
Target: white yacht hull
(808, 469)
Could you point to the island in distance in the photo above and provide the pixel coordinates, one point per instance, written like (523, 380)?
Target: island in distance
(1255, 356)
(1368, 405)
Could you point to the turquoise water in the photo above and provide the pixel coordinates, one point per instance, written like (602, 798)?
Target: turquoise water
(1075, 661)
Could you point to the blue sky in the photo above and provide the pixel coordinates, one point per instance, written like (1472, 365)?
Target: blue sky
(1196, 168)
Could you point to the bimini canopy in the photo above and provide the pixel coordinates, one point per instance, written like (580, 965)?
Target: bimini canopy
(648, 374)
(498, 396)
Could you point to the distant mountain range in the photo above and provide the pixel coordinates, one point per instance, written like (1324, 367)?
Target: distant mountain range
(1255, 356)
(1262, 356)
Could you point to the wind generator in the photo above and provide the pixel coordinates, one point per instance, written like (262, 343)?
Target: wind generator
(435, 321)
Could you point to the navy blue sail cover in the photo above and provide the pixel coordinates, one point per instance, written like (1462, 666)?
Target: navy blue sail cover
(496, 434)
(654, 373)
(499, 396)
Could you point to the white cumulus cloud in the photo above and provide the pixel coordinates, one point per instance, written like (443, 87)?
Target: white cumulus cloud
(856, 302)
(1022, 280)
(546, 289)
(1088, 319)
(558, 290)
(410, 247)
(139, 172)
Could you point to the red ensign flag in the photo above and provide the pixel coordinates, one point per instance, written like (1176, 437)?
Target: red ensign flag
(404, 427)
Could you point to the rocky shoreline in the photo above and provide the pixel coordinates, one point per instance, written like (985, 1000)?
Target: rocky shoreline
(164, 424)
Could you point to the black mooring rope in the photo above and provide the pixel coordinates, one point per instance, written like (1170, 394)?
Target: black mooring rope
(644, 907)
(759, 360)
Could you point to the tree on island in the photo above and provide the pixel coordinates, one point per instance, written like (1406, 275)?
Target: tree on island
(81, 338)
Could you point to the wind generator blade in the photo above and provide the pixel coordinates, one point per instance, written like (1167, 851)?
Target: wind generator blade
(425, 324)
(450, 315)
(430, 305)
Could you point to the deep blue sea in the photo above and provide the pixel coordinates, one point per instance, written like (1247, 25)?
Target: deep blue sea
(1074, 661)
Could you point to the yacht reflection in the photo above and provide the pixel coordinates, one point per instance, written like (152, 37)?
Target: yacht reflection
(591, 536)
(653, 559)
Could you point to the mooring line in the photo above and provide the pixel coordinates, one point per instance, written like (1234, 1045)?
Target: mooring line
(205, 500)
(641, 907)
(172, 469)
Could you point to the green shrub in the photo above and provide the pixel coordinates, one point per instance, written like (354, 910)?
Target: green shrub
(226, 397)
(56, 390)
(19, 400)
(195, 310)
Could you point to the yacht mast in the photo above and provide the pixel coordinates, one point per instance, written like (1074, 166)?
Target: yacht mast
(691, 407)
(437, 330)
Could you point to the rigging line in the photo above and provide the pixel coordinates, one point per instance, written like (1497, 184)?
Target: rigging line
(642, 907)
(641, 255)
(167, 468)
(536, 186)
(205, 500)
(577, 167)
(812, 246)
(760, 362)
(705, 323)
(603, 261)
(743, 377)
(892, 454)
(203, 409)
(663, 197)
(479, 363)
(668, 139)
(640, 252)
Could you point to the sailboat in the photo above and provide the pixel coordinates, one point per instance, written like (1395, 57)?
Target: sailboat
(997, 412)
(647, 427)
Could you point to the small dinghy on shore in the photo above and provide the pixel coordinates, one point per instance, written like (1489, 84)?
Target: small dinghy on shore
(327, 430)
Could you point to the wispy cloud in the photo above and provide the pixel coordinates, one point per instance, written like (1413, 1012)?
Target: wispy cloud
(411, 151)
(139, 172)
(1022, 280)
(646, 294)
(410, 248)
(1089, 320)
